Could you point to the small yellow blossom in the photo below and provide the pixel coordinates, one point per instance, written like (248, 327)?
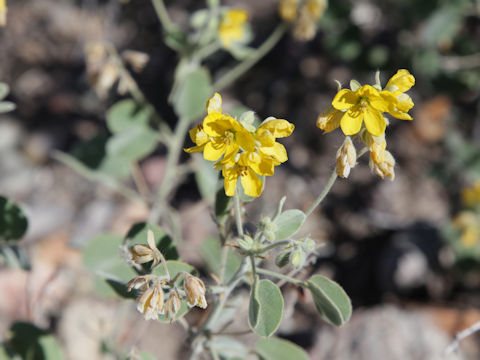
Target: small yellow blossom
(346, 158)
(316, 8)
(365, 104)
(398, 84)
(384, 168)
(232, 170)
(305, 26)
(232, 27)
(329, 120)
(144, 253)
(3, 12)
(288, 9)
(173, 304)
(469, 225)
(471, 195)
(195, 291)
(151, 301)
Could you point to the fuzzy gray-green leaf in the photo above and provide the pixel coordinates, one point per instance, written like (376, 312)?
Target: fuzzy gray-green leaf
(288, 223)
(266, 307)
(330, 299)
(278, 349)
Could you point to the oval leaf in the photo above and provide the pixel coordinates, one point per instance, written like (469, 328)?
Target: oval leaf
(279, 349)
(132, 144)
(330, 299)
(127, 115)
(266, 307)
(193, 94)
(288, 223)
(13, 223)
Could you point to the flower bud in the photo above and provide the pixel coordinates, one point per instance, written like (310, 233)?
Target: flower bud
(308, 245)
(346, 158)
(140, 282)
(316, 8)
(329, 120)
(136, 59)
(150, 302)
(173, 304)
(305, 27)
(384, 168)
(288, 9)
(195, 291)
(297, 259)
(282, 259)
(144, 253)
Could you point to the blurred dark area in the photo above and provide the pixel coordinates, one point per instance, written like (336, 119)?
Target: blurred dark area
(384, 241)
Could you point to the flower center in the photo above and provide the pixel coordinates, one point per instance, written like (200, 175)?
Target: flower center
(363, 103)
(228, 137)
(242, 170)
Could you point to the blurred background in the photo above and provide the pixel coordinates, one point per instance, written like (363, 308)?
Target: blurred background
(406, 251)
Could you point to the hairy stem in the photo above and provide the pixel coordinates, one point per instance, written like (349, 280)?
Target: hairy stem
(279, 276)
(237, 71)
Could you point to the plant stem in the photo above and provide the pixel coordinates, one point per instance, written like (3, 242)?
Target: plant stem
(140, 181)
(274, 245)
(162, 15)
(237, 71)
(279, 276)
(238, 214)
(254, 267)
(328, 187)
(324, 193)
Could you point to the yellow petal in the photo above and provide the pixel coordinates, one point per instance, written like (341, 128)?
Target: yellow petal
(214, 104)
(382, 100)
(329, 120)
(344, 99)
(252, 185)
(374, 121)
(403, 81)
(351, 121)
(231, 177)
(262, 165)
(278, 127)
(194, 149)
(405, 102)
(214, 150)
(245, 140)
(277, 151)
(215, 124)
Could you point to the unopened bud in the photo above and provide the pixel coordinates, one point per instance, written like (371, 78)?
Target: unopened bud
(308, 245)
(329, 120)
(173, 304)
(288, 9)
(316, 8)
(150, 302)
(282, 259)
(305, 26)
(385, 168)
(144, 253)
(195, 291)
(136, 59)
(346, 158)
(297, 259)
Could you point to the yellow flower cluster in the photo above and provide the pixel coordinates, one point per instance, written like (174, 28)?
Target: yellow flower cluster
(359, 111)
(469, 225)
(232, 28)
(240, 149)
(304, 15)
(471, 195)
(3, 12)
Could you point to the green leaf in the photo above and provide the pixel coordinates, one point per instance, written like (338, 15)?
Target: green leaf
(330, 299)
(127, 115)
(4, 90)
(211, 251)
(121, 289)
(6, 106)
(92, 159)
(266, 307)
(193, 93)
(31, 342)
(206, 178)
(138, 235)
(288, 223)
(13, 223)
(229, 348)
(278, 349)
(102, 256)
(133, 144)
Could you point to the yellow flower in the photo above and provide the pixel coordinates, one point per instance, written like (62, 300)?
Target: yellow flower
(150, 302)
(384, 168)
(471, 195)
(144, 253)
(195, 291)
(346, 158)
(268, 153)
(329, 120)
(376, 145)
(232, 27)
(470, 236)
(316, 8)
(232, 170)
(288, 9)
(3, 12)
(398, 84)
(365, 104)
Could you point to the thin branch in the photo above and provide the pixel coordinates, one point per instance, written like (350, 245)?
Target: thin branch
(461, 336)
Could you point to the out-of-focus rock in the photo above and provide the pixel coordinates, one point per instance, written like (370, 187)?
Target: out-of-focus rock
(382, 333)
